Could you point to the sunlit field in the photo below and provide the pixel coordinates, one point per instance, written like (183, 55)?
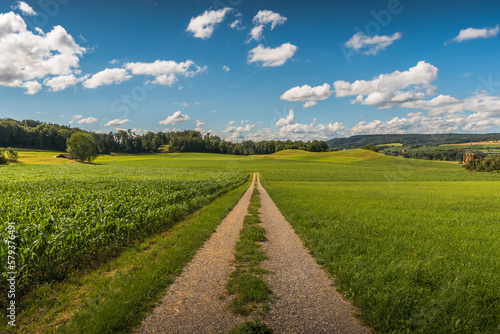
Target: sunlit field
(413, 243)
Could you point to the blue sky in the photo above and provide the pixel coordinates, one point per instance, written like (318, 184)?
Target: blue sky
(253, 69)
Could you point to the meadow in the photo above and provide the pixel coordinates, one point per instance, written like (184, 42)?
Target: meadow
(413, 243)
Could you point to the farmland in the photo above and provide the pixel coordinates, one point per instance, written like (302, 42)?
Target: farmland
(71, 215)
(413, 243)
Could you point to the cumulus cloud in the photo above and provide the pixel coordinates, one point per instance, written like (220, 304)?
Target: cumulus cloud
(226, 68)
(116, 122)
(165, 71)
(62, 82)
(389, 90)
(203, 25)
(299, 131)
(175, 118)
(107, 77)
(309, 104)
(236, 24)
(308, 94)
(237, 133)
(88, 120)
(359, 42)
(24, 8)
(263, 18)
(270, 57)
(199, 125)
(32, 87)
(472, 33)
(74, 118)
(289, 119)
(26, 57)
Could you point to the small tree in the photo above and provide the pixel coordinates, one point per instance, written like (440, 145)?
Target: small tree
(370, 148)
(3, 159)
(82, 147)
(12, 155)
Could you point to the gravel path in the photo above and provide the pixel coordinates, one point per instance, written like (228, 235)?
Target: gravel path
(192, 303)
(307, 301)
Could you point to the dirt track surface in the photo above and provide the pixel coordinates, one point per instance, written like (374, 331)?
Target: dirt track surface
(192, 303)
(307, 301)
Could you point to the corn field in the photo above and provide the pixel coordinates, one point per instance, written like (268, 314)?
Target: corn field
(67, 217)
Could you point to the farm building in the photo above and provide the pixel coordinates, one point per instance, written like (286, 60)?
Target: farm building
(468, 156)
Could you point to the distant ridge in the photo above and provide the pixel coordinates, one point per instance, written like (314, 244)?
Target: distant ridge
(409, 139)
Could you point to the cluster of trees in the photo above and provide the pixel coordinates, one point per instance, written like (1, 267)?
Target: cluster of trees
(370, 148)
(38, 135)
(488, 164)
(410, 140)
(8, 155)
(443, 155)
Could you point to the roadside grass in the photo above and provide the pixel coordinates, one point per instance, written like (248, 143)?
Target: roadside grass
(246, 282)
(115, 297)
(416, 257)
(251, 327)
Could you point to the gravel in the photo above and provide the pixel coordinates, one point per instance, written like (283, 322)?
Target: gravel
(192, 303)
(306, 299)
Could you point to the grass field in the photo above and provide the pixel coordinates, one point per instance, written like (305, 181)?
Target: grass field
(413, 243)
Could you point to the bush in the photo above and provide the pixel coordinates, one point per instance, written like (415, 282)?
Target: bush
(3, 159)
(370, 148)
(12, 155)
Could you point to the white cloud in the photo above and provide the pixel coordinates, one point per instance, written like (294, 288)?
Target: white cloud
(107, 77)
(88, 120)
(165, 71)
(32, 87)
(175, 118)
(308, 94)
(226, 68)
(203, 25)
(236, 24)
(370, 45)
(25, 57)
(388, 90)
(24, 8)
(289, 119)
(270, 57)
(114, 61)
(263, 18)
(299, 131)
(62, 82)
(74, 118)
(116, 122)
(309, 104)
(199, 125)
(237, 133)
(472, 33)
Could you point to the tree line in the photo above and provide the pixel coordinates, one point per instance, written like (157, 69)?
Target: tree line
(410, 140)
(442, 155)
(488, 164)
(39, 135)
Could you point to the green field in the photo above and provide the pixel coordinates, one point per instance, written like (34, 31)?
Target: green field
(69, 215)
(413, 243)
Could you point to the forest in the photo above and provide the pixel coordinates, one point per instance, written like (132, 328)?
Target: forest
(39, 135)
(410, 140)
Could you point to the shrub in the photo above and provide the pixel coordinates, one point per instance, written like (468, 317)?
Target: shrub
(12, 155)
(370, 148)
(3, 159)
